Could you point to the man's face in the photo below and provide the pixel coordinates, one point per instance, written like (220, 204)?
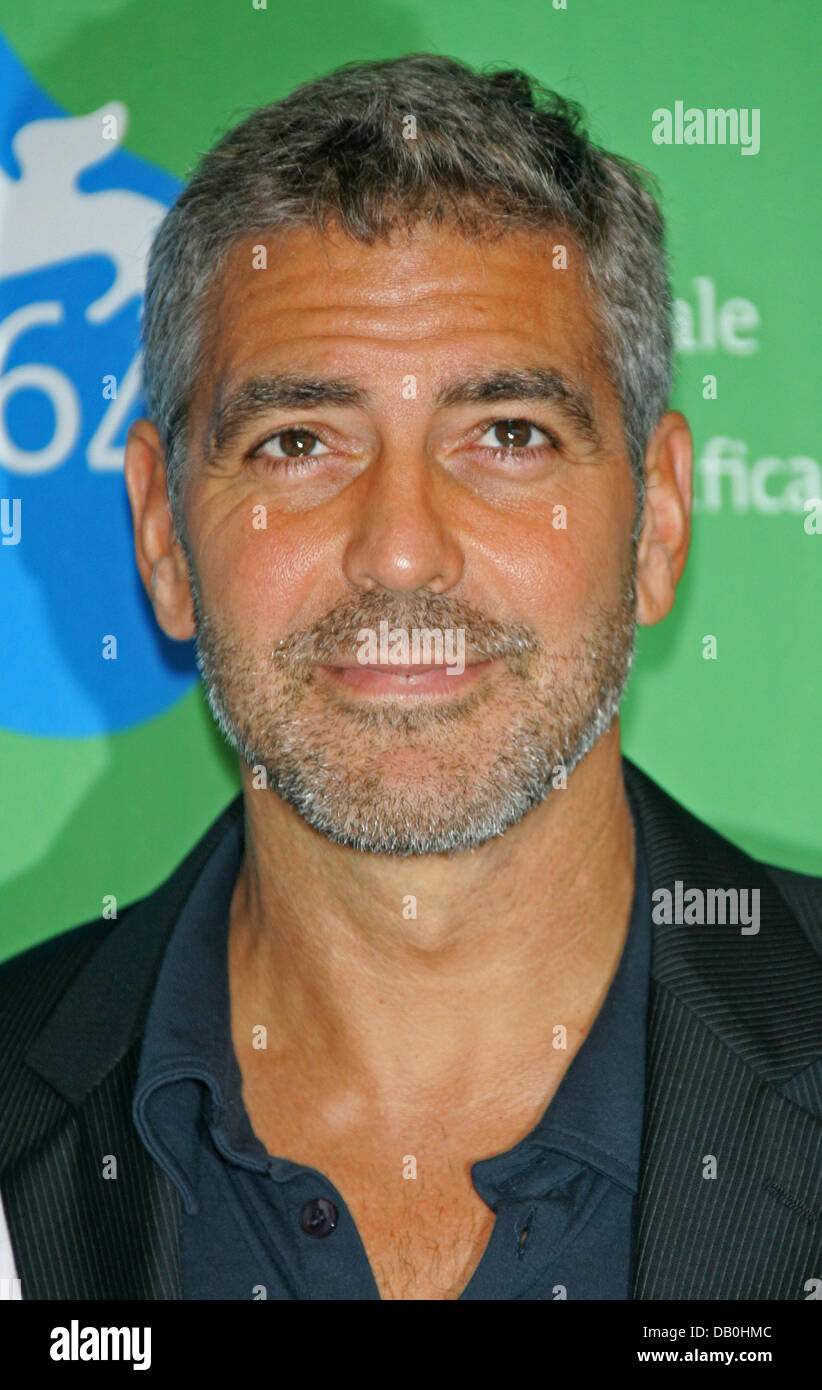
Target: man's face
(418, 468)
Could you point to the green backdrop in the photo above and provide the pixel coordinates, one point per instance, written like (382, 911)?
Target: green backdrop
(735, 739)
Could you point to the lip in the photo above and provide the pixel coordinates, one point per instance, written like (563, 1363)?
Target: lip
(405, 681)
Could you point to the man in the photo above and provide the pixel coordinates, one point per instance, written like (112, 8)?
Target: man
(442, 1006)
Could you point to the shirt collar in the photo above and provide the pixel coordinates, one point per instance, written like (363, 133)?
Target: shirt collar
(188, 1033)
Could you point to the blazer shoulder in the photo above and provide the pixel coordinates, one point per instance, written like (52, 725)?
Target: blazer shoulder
(674, 833)
(73, 1005)
(33, 980)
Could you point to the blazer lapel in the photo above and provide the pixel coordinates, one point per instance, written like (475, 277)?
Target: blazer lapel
(79, 1184)
(82, 1228)
(730, 1179)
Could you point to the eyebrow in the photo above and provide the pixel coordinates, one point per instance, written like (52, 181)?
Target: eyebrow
(232, 413)
(240, 407)
(573, 401)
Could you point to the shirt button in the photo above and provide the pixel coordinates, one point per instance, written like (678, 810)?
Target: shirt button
(319, 1217)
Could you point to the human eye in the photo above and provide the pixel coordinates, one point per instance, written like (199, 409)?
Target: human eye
(512, 437)
(290, 450)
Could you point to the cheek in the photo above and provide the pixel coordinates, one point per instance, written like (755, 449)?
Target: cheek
(553, 577)
(599, 538)
(268, 581)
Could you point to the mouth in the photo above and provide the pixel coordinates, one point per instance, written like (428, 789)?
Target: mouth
(404, 681)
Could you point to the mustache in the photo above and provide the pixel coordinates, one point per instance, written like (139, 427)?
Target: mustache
(335, 636)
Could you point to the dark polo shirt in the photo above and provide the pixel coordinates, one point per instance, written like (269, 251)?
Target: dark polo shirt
(259, 1226)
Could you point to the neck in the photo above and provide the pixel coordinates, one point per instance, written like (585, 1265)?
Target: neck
(428, 971)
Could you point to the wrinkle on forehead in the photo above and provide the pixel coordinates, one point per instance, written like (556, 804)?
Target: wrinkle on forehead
(430, 284)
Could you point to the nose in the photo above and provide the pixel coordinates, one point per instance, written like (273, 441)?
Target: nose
(402, 539)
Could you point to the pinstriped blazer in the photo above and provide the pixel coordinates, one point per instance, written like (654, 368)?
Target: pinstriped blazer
(734, 1072)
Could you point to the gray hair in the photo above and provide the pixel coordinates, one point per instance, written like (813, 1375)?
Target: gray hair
(493, 152)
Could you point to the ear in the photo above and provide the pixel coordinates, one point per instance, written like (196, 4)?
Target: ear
(161, 559)
(666, 530)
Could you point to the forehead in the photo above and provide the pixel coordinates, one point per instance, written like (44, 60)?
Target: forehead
(429, 301)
